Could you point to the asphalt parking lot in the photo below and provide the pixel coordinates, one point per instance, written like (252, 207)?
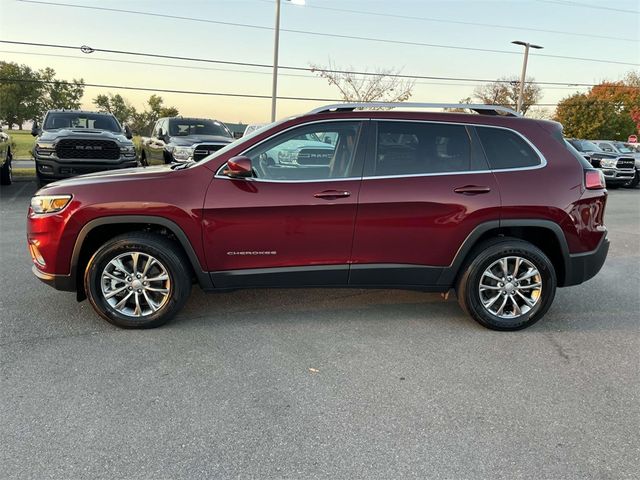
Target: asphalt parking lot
(329, 384)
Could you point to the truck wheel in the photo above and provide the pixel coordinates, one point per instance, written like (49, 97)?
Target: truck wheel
(633, 183)
(138, 280)
(6, 172)
(143, 160)
(508, 284)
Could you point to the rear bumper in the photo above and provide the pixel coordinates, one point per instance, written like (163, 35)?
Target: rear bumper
(59, 282)
(583, 266)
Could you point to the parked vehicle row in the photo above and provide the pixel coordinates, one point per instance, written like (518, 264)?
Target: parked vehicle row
(498, 207)
(619, 162)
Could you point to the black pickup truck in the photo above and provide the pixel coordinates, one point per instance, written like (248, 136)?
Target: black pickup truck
(73, 142)
(180, 139)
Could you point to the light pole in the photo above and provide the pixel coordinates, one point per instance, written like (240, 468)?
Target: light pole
(526, 46)
(276, 45)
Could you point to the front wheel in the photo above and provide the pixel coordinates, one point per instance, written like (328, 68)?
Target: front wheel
(509, 284)
(633, 183)
(138, 280)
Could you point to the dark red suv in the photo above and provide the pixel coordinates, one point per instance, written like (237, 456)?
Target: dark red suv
(496, 206)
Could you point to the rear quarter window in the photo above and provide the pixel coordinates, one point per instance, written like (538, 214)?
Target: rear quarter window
(505, 149)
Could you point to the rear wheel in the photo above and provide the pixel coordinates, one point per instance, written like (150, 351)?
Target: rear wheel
(138, 280)
(509, 284)
(6, 172)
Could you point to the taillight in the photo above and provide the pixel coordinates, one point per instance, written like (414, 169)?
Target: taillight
(594, 180)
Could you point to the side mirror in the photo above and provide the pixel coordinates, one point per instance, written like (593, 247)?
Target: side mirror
(160, 134)
(238, 167)
(35, 130)
(127, 132)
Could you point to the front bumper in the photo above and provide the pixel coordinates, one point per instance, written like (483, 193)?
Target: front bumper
(51, 169)
(583, 266)
(59, 282)
(615, 176)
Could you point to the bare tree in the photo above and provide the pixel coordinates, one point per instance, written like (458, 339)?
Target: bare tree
(380, 86)
(505, 92)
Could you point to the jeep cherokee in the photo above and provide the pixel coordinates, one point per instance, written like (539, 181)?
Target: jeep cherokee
(496, 206)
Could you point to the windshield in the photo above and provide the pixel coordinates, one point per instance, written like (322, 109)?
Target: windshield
(95, 121)
(183, 127)
(622, 148)
(585, 146)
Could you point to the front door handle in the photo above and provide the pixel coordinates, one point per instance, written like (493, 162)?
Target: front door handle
(332, 194)
(472, 189)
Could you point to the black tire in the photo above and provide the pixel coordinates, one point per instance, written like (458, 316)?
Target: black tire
(613, 186)
(6, 172)
(143, 160)
(40, 181)
(485, 255)
(166, 251)
(633, 183)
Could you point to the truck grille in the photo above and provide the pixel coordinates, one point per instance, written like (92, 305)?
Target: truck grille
(625, 163)
(93, 149)
(315, 156)
(204, 150)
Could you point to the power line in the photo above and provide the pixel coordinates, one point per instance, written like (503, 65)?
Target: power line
(460, 22)
(567, 3)
(88, 50)
(332, 35)
(166, 90)
(197, 92)
(189, 67)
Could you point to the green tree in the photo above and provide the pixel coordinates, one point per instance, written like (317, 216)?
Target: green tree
(19, 93)
(117, 105)
(55, 94)
(608, 110)
(142, 122)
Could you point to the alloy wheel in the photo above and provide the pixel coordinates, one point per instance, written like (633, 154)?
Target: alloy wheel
(135, 284)
(510, 287)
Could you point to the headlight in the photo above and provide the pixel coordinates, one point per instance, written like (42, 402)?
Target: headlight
(45, 149)
(608, 162)
(128, 151)
(49, 203)
(182, 153)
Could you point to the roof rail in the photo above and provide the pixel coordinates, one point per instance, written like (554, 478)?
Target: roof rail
(479, 108)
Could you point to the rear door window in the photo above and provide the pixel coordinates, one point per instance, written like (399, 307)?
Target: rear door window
(506, 149)
(414, 148)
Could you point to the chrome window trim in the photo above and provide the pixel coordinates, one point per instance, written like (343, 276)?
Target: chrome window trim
(541, 157)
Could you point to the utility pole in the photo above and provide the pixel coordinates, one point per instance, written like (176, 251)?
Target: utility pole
(526, 46)
(276, 44)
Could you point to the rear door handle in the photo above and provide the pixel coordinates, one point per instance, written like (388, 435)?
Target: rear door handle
(332, 194)
(472, 189)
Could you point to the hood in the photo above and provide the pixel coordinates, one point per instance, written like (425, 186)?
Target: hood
(110, 176)
(50, 135)
(299, 144)
(193, 139)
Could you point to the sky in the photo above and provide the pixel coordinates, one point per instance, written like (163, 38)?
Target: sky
(604, 31)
